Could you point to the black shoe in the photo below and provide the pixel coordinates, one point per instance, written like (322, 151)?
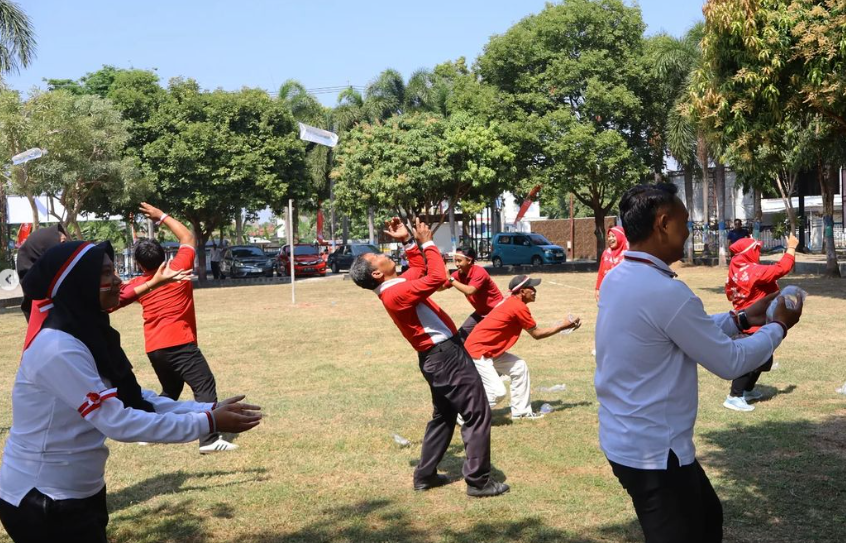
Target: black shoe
(433, 481)
(492, 488)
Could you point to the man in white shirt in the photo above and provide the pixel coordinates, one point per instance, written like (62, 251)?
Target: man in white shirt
(651, 332)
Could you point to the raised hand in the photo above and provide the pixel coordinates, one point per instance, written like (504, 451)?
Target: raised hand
(422, 233)
(152, 213)
(396, 230)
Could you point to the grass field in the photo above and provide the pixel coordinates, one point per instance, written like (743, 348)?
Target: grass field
(336, 380)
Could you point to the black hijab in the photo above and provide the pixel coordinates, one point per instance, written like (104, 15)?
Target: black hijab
(69, 275)
(31, 250)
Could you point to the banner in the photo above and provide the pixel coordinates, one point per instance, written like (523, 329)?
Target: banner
(318, 135)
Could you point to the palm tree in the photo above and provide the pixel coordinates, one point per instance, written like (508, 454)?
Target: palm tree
(17, 49)
(303, 106)
(17, 38)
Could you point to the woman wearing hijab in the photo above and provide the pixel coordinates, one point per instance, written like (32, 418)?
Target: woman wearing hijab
(749, 281)
(32, 249)
(45, 238)
(613, 255)
(74, 388)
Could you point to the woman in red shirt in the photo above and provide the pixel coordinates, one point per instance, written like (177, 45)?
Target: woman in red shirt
(749, 281)
(613, 255)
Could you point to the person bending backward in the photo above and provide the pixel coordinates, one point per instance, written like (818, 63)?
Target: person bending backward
(489, 342)
(73, 389)
(612, 256)
(170, 324)
(475, 283)
(646, 375)
(453, 381)
(749, 281)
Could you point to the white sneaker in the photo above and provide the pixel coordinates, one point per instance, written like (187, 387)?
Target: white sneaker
(737, 404)
(459, 420)
(218, 446)
(752, 395)
(531, 415)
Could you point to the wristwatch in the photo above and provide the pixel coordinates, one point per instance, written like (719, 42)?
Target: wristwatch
(451, 279)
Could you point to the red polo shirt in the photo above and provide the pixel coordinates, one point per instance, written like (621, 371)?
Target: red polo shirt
(500, 330)
(487, 295)
(169, 317)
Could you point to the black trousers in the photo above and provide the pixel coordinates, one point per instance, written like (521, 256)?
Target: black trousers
(468, 325)
(675, 505)
(40, 519)
(746, 382)
(215, 266)
(182, 364)
(456, 388)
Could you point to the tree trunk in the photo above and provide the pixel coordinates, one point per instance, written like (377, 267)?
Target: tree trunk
(688, 198)
(599, 228)
(35, 221)
(239, 227)
(200, 240)
(828, 185)
(702, 158)
(295, 222)
(4, 236)
(371, 225)
(758, 214)
(720, 188)
(452, 223)
(345, 226)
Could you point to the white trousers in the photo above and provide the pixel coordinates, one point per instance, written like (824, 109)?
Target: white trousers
(516, 368)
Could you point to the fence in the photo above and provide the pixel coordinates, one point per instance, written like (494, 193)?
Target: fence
(814, 233)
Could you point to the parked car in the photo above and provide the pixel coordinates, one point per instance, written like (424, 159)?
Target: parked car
(307, 260)
(344, 255)
(245, 261)
(520, 248)
(273, 254)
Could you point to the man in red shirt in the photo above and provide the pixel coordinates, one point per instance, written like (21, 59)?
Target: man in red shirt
(170, 324)
(489, 342)
(475, 283)
(454, 383)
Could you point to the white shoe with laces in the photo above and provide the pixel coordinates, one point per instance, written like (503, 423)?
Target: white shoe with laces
(220, 445)
(532, 415)
(737, 403)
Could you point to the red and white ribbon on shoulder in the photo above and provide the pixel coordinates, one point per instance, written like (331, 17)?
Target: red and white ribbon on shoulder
(93, 401)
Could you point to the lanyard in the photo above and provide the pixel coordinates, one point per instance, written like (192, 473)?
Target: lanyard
(669, 273)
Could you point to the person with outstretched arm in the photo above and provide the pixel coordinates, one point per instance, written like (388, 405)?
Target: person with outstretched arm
(453, 381)
(74, 388)
(170, 323)
(651, 334)
(749, 281)
(476, 285)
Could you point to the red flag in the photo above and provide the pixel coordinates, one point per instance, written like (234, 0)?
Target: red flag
(24, 232)
(526, 203)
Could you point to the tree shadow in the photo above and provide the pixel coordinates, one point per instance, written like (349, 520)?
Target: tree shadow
(381, 521)
(174, 483)
(781, 480)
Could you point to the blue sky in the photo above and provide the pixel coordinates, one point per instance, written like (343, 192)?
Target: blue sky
(261, 43)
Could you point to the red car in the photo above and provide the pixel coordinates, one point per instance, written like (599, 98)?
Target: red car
(307, 260)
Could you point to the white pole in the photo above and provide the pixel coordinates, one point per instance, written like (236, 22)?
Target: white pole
(291, 247)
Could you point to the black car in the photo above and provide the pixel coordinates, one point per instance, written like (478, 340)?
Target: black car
(344, 255)
(245, 261)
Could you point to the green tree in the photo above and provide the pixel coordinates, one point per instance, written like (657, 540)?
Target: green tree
(217, 153)
(567, 77)
(17, 38)
(86, 169)
(764, 63)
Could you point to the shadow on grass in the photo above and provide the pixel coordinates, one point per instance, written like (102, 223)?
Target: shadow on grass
(381, 521)
(825, 287)
(782, 481)
(452, 463)
(770, 392)
(175, 483)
